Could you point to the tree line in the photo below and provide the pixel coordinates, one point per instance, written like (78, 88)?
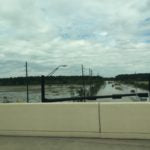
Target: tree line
(135, 80)
(137, 77)
(36, 80)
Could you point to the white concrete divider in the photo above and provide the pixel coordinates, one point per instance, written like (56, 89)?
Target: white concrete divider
(59, 119)
(125, 120)
(104, 120)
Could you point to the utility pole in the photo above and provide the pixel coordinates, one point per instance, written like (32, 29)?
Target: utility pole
(135, 86)
(90, 81)
(27, 82)
(83, 81)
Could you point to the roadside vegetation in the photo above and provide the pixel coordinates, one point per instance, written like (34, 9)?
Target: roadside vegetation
(136, 80)
(90, 90)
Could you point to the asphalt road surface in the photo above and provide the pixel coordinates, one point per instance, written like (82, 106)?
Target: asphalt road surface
(47, 143)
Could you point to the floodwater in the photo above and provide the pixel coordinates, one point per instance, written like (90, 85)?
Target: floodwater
(18, 93)
(110, 88)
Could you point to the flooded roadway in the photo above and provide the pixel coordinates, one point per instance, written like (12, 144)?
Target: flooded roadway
(110, 88)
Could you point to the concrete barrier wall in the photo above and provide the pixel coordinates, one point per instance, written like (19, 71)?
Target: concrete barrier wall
(104, 120)
(125, 120)
(49, 119)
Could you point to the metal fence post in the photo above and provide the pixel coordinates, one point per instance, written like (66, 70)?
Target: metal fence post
(149, 87)
(42, 88)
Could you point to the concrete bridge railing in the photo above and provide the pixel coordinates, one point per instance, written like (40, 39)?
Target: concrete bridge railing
(102, 120)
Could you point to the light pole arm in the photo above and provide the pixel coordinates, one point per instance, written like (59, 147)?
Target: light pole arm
(50, 74)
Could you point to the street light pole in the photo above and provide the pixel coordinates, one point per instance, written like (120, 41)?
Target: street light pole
(43, 82)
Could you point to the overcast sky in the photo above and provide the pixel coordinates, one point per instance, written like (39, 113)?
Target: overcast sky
(110, 36)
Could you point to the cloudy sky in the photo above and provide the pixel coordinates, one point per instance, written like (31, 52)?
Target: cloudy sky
(110, 36)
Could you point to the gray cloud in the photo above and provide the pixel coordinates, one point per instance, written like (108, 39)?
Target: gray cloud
(109, 36)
